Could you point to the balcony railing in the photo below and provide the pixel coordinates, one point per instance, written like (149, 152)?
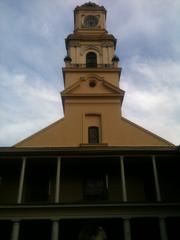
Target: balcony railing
(80, 66)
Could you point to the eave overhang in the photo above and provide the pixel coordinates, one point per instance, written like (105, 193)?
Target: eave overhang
(79, 210)
(88, 37)
(91, 150)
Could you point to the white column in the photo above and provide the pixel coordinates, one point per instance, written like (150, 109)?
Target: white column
(163, 232)
(21, 182)
(124, 192)
(55, 230)
(156, 180)
(15, 231)
(58, 172)
(127, 230)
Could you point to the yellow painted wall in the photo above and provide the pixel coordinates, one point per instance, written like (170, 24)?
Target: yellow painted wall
(110, 75)
(71, 131)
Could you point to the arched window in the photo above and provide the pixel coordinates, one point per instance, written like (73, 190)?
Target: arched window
(91, 60)
(93, 135)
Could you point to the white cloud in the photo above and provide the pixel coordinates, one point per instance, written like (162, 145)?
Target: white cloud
(25, 106)
(146, 28)
(153, 96)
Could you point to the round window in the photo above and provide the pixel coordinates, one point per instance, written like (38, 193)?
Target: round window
(92, 83)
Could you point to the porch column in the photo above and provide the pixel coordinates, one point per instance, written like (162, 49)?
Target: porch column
(156, 179)
(58, 171)
(163, 232)
(55, 230)
(15, 231)
(21, 181)
(127, 230)
(124, 192)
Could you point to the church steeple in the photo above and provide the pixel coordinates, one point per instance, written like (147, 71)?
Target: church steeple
(92, 97)
(90, 35)
(91, 52)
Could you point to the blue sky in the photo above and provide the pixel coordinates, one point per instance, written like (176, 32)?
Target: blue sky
(31, 57)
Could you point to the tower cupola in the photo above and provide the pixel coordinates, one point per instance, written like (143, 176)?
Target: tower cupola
(89, 17)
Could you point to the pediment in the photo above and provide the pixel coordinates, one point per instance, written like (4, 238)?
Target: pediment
(92, 85)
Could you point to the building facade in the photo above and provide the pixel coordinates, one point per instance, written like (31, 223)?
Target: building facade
(93, 167)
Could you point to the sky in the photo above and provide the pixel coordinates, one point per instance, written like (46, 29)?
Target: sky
(32, 50)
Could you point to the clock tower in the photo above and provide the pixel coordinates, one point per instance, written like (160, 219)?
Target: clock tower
(92, 97)
(90, 48)
(89, 16)
(91, 73)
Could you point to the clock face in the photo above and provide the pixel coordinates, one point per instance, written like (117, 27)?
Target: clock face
(91, 21)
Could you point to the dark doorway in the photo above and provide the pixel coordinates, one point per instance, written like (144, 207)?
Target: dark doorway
(145, 229)
(5, 230)
(173, 226)
(35, 229)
